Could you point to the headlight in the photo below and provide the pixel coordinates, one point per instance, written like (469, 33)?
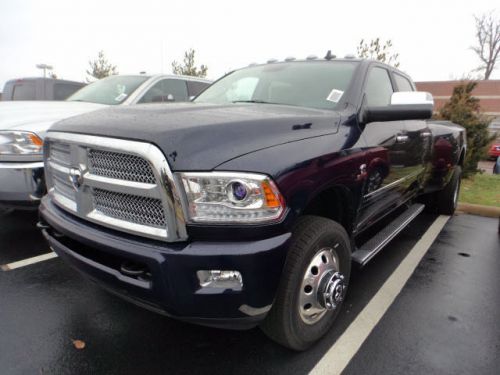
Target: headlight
(226, 197)
(20, 143)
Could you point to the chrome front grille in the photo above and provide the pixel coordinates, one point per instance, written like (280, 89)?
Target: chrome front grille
(132, 208)
(124, 185)
(120, 166)
(60, 153)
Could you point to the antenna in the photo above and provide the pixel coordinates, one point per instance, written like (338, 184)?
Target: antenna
(329, 55)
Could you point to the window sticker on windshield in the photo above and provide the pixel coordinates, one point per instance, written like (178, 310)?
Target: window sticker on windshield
(335, 96)
(120, 97)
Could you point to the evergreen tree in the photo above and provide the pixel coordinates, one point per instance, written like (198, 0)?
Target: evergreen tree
(463, 109)
(100, 68)
(188, 68)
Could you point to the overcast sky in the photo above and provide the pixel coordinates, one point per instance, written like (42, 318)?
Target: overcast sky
(432, 37)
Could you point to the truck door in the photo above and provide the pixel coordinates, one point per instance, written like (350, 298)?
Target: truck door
(418, 147)
(418, 139)
(387, 160)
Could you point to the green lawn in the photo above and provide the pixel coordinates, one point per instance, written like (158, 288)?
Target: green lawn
(481, 189)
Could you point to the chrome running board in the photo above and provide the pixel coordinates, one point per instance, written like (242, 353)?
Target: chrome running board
(366, 252)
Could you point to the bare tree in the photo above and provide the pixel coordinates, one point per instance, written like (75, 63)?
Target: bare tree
(188, 67)
(374, 49)
(488, 42)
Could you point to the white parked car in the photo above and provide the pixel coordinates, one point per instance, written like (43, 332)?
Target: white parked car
(23, 125)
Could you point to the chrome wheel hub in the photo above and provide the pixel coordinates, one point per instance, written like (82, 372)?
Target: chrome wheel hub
(333, 292)
(322, 287)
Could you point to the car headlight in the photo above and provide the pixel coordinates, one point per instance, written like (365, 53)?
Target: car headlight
(227, 197)
(20, 143)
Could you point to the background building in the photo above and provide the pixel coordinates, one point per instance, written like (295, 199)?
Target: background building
(488, 93)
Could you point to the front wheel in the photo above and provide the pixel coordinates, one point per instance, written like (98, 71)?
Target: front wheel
(313, 285)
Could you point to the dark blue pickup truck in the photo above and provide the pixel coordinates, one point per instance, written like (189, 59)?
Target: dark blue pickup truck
(249, 205)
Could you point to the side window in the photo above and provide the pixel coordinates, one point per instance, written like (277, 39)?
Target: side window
(195, 87)
(402, 83)
(378, 88)
(165, 89)
(24, 91)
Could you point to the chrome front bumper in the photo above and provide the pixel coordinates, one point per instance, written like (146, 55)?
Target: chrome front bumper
(21, 184)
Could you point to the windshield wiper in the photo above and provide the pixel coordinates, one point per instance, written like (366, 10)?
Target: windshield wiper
(253, 101)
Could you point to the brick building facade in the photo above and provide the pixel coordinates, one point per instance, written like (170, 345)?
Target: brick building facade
(488, 93)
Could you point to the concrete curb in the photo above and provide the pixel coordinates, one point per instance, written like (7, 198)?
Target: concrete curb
(477, 209)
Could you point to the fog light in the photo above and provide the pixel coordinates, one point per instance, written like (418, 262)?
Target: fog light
(220, 279)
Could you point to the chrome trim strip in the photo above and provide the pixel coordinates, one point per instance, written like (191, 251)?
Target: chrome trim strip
(58, 167)
(167, 188)
(391, 185)
(31, 165)
(122, 186)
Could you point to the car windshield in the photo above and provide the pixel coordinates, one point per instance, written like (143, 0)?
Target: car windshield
(111, 90)
(316, 84)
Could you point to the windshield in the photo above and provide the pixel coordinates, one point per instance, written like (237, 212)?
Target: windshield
(110, 90)
(316, 84)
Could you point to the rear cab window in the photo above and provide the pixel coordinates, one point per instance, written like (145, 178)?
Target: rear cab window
(24, 91)
(403, 83)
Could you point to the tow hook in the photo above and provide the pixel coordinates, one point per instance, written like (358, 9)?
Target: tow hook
(135, 270)
(40, 225)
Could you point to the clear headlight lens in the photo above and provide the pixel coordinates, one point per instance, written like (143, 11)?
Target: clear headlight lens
(20, 143)
(226, 197)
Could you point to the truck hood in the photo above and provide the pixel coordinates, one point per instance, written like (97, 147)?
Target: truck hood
(197, 136)
(38, 116)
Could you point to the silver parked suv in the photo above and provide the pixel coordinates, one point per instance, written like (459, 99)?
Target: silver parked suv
(23, 125)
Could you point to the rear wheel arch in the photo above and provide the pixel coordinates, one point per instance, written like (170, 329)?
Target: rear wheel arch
(461, 158)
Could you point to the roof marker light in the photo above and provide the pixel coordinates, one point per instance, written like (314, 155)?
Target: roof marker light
(311, 57)
(290, 58)
(272, 61)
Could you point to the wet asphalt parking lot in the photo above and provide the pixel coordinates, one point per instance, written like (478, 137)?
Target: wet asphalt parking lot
(445, 320)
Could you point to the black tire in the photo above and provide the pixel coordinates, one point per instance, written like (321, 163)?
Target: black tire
(284, 323)
(447, 199)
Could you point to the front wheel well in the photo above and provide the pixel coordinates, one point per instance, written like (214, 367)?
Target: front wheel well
(336, 204)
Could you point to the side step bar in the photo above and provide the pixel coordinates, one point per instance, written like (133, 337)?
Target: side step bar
(366, 252)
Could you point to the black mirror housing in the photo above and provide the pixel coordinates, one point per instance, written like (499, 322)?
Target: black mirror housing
(398, 112)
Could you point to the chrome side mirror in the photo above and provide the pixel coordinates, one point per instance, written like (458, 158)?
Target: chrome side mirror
(412, 98)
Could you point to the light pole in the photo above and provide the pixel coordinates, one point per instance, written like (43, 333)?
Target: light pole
(45, 67)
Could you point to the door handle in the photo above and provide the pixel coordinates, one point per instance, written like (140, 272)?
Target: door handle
(425, 134)
(401, 138)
